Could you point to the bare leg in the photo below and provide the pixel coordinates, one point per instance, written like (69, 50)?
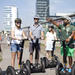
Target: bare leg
(48, 55)
(13, 55)
(18, 57)
(31, 57)
(70, 61)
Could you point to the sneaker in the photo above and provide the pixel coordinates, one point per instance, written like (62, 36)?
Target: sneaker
(69, 70)
(17, 72)
(62, 69)
(66, 69)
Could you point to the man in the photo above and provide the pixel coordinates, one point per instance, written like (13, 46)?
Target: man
(36, 32)
(67, 32)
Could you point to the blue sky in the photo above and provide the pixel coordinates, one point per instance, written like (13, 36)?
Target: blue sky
(26, 8)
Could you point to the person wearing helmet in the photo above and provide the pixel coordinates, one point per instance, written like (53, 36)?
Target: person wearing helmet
(67, 32)
(17, 34)
(50, 36)
(36, 32)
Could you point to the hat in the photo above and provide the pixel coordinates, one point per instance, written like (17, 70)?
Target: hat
(36, 17)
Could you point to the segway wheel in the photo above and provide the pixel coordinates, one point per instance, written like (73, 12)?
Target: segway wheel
(10, 71)
(43, 65)
(46, 62)
(25, 70)
(55, 57)
(73, 70)
(0, 71)
(28, 63)
(28, 70)
(58, 68)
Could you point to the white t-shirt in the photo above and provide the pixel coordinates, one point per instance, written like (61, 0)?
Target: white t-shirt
(18, 34)
(49, 40)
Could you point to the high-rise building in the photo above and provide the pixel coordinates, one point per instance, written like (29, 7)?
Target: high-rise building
(10, 14)
(42, 9)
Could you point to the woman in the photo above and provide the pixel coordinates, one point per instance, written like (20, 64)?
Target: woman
(50, 36)
(16, 34)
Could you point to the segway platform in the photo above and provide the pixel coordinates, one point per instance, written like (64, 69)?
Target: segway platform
(36, 68)
(50, 63)
(59, 70)
(22, 71)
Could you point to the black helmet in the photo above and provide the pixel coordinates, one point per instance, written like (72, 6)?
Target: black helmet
(18, 20)
(51, 27)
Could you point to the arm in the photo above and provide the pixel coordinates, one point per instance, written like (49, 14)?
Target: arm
(31, 35)
(24, 35)
(71, 36)
(52, 21)
(55, 37)
(42, 35)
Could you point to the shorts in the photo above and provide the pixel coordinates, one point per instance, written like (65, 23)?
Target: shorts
(33, 46)
(15, 47)
(49, 46)
(70, 51)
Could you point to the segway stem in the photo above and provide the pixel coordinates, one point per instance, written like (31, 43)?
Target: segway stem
(21, 54)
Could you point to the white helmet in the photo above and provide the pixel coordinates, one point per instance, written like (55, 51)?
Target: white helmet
(68, 18)
(36, 16)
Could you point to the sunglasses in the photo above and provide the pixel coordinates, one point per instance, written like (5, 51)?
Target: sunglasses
(18, 22)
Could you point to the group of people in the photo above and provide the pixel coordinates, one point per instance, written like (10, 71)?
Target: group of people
(37, 33)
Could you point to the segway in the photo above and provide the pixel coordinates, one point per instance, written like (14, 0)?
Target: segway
(36, 67)
(73, 66)
(60, 66)
(51, 63)
(73, 69)
(24, 69)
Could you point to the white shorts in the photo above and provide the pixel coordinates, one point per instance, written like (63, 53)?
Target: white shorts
(49, 46)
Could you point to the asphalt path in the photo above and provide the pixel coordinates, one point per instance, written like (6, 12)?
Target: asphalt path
(6, 54)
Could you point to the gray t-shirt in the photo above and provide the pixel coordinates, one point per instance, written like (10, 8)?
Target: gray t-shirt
(36, 30)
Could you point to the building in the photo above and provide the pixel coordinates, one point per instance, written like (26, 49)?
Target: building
(10, 14)
(42, 9)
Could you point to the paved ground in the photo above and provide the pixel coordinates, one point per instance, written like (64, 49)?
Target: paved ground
(7, 58)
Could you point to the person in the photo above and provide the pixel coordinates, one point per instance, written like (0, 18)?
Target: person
(8, 40)
(17, 34)
(67, 32)
(50, 37)
(36, 32)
